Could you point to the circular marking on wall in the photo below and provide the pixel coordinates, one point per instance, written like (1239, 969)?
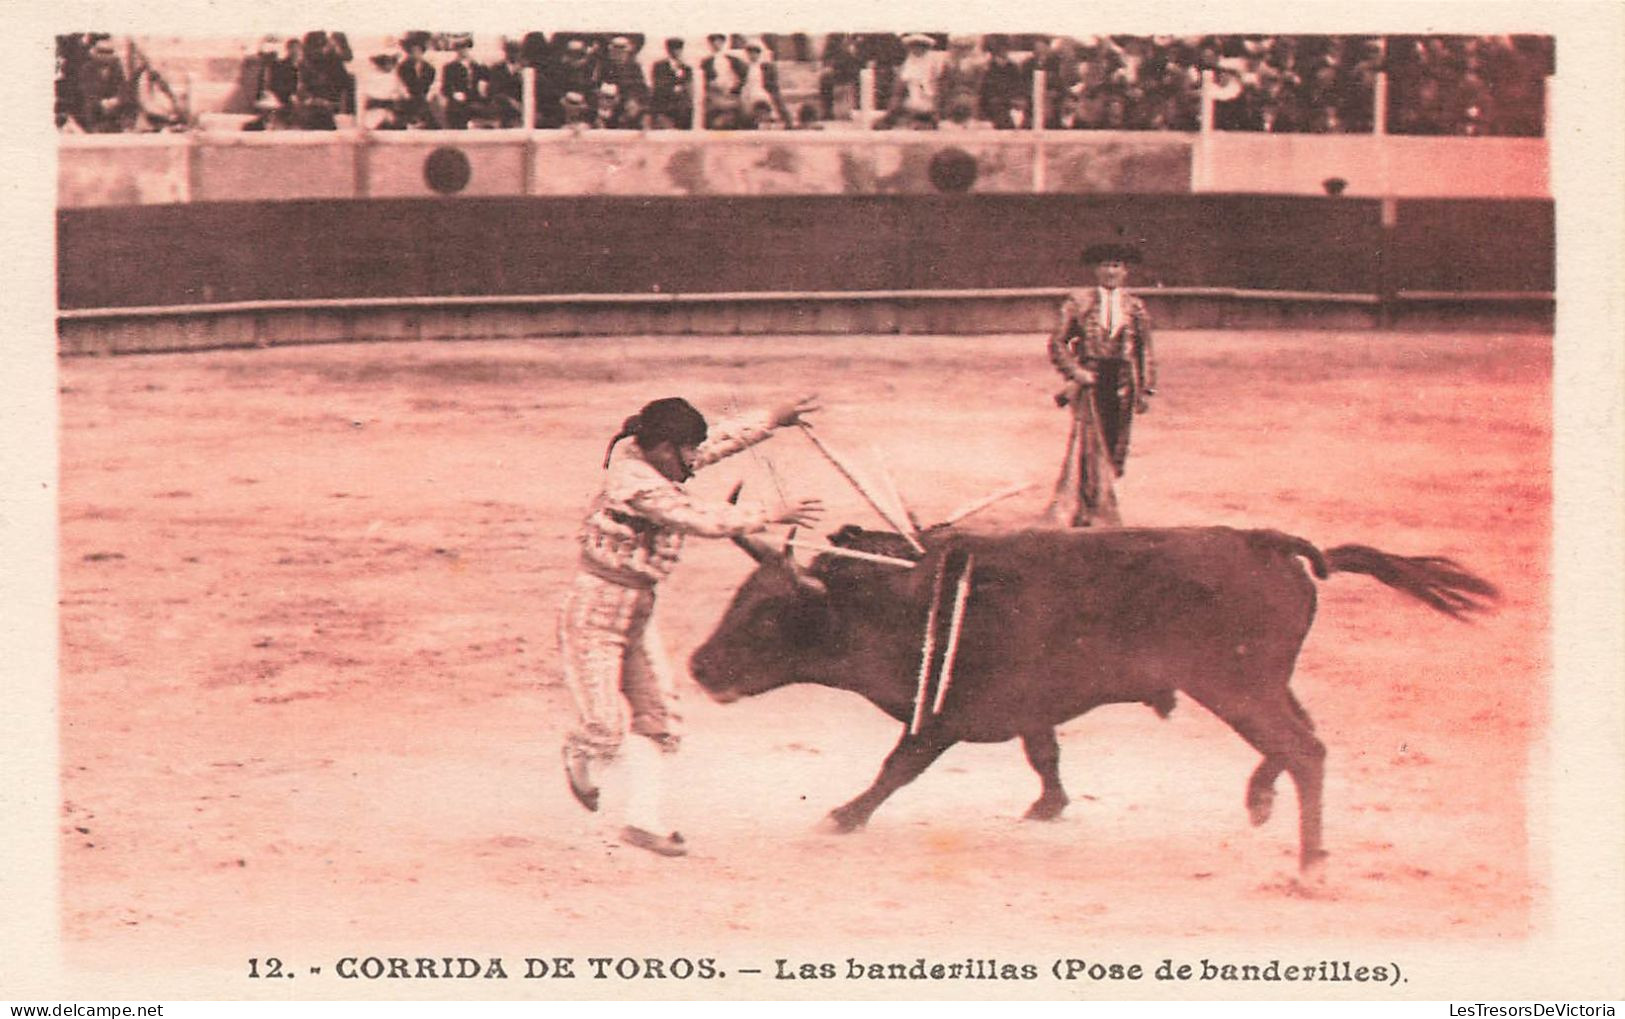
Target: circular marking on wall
(953, 170)
(447, 170)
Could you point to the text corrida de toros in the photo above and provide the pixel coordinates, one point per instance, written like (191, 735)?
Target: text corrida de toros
(625, 968)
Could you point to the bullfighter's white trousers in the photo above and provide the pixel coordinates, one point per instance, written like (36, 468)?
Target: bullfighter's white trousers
(614, 666)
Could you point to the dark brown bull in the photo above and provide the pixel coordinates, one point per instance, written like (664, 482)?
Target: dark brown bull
(1059, 622)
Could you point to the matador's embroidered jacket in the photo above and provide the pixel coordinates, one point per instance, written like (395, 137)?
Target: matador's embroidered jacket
(1084, 336)
(634, 528)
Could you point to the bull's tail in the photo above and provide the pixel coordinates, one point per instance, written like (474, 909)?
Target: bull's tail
(1439, 583)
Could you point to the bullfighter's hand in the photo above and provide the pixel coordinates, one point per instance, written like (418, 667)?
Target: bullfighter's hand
(790, 413)
(802, 512)
(1074, 391)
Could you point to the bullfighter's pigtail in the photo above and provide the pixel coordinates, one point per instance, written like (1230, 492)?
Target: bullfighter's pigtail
(630, 427)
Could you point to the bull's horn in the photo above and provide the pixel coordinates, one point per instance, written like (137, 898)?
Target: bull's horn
(756, 549)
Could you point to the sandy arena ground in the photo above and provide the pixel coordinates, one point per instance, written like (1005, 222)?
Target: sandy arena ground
(310, 704)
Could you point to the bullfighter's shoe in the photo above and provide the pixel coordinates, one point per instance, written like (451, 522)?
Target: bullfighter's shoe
(581, 785)
(665, 845)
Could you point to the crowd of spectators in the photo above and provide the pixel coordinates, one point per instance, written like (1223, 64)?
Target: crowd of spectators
(1469, 85)
(582, 80)
(305, 85)
(1456, 85)
(100, 91)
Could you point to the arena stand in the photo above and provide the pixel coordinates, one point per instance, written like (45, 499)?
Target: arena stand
(286, 236)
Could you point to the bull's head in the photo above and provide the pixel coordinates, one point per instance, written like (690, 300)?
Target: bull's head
(777, 627)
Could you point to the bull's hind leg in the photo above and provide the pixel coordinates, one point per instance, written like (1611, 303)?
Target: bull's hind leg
(912, 755)
(1279, 729)
(1261, 787)
(1044, 754)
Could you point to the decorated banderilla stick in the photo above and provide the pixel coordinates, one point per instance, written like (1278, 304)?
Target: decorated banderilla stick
(983, 503)
(850, 553)
(901, 526)
(961, 595)
(928, 651)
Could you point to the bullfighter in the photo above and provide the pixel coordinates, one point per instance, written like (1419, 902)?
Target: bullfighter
(630, 541)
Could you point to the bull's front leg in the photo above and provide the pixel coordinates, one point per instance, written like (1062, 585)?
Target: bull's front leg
(912, 755)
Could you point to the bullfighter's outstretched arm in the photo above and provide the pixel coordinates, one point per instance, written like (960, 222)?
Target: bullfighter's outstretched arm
(732, 435)
(676, 510)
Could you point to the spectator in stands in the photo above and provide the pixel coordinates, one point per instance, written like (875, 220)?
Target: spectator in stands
(795, 46)
(155, 105)
(72, 53)
(1017, 116)
(764, 118)
(1476, 102)
(724, 75)
(1003, 83)
(1425, 113)
(382, 94)
(535, 51)
(102, 89)
(962, 116)
(839, 75)
(962, 72)
(326, 88)
(576, 114)
(617, 111)
(464, 86)
(1069, 115)
(505, 87)
(573, 71)
(1516, 68)
(576, 56)
(283, 79)
(917, 88)
(624, 72)
(1047, 57)
(634, 115)
(417, 77)
(1114, 112)
(672, 102)
(544, 58)
(885, 52)
(761, 81)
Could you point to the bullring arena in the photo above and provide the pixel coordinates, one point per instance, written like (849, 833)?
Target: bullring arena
(310, 695)
(317, 512)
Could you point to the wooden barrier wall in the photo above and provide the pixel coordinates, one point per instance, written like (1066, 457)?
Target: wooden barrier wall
(207, 253)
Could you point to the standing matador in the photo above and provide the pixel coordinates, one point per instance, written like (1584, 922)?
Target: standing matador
(1102, 347)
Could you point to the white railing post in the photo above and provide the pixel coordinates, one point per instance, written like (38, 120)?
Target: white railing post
(1040, 113)
(1379, 105)
(866, 94)
(1209, 100)
(1202, 169)
(697, 96)
(700, 95)
(527, 98)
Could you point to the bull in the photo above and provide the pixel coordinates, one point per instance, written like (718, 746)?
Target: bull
(1057, 623)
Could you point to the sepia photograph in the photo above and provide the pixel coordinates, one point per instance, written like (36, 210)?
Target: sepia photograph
(754, 502)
